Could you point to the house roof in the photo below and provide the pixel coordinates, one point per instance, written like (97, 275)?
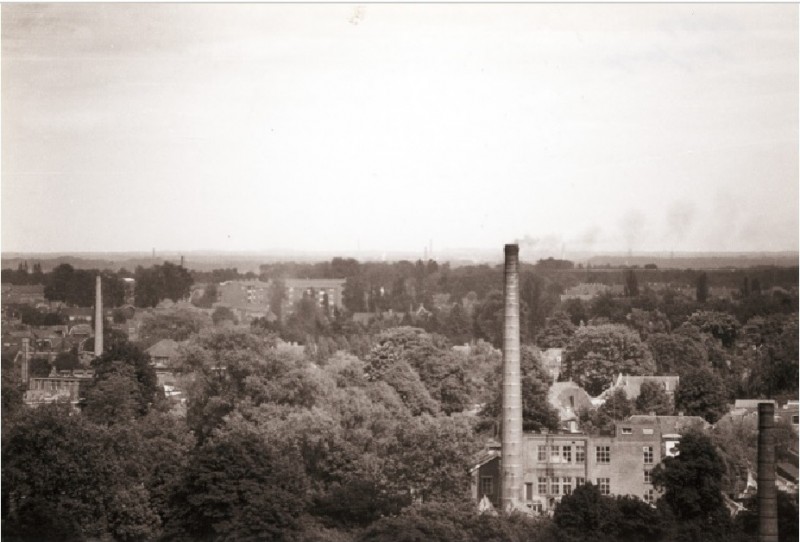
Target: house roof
(669, 424)
(632, 385)
(81, 328)
(29, 289)
(165, 348)
(314, 283)
(484, 458)
(559, 398)
(787, 470)
(753, 403)
(78, 311)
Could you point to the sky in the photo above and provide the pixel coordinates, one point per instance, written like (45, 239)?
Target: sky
(333, 127)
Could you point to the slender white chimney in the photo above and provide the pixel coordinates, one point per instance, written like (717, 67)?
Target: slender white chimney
(512, 472)
(98, 318)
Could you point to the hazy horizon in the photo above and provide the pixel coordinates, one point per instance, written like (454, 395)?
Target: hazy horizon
(391, 127)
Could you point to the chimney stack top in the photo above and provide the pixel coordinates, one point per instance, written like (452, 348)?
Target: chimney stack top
(512, 248)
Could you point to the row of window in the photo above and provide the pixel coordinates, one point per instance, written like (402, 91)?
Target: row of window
(563, 454)
(563, 486)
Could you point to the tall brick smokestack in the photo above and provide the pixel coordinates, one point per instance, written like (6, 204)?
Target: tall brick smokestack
(767, 494)
(512, 388)
(98, 318)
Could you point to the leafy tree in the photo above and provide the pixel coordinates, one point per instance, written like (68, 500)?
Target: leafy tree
(557, 331)
(159, 282)
(239, 486)
(631, 284)
(701, 288)
(639, 521)
(653, 398)
(775, 370)
(115, 396)
(177, 325)
(13, 391)
(537, 413)
(400, 358)
(63, 467)
(692, 493)
(457, 325)
(577, 310)
(721, 325)
(616, 407)
(701, 393)
(596, 354)
(490, 319)
(123, 364)
(677, 353)
(449, 521)
(586, 515)
(223, 314)
(432, 456)
(208, 298)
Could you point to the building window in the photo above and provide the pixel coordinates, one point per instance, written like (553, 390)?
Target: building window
(566, 452)
(554, 486)
(795, 419)
(542, 486)
(542, 456)
(627, 431)
(648, 479)
(647, 451)
(486, 485)
(579, 481)
(580, 454)
(603, 454)
(648, 431)
(604, 484)
(555, 453)
(567, 486)
(649, 496)
(528, 491)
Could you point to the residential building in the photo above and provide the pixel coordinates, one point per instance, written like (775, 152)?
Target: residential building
(551, 361)
(78, 315)
(632, 385)
(244, 293)
(569, 399)
(318, 289)
(555, 464)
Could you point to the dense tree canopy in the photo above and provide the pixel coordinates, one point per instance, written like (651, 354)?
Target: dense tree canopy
(596, 354)
(701, 393)
(692, 491)
(166, 281)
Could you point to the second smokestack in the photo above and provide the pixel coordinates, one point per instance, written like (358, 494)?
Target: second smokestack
(98, 318)
(767, 493)
(512, 472)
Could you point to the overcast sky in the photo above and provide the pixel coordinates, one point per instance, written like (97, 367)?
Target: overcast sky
(382, 127)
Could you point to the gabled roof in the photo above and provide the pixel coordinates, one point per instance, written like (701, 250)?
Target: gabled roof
(669, 424)
(632, 385)
(165, 348)
(78, 311)
(484, 458)
(753, 403)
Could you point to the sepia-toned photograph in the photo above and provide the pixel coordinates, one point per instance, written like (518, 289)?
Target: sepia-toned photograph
(399, 272)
